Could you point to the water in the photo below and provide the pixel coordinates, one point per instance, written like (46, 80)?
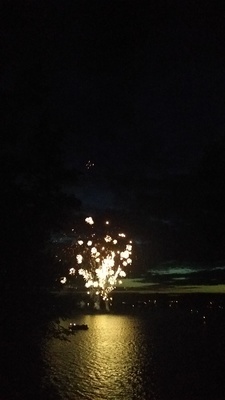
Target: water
(112, 360)
(159, 355)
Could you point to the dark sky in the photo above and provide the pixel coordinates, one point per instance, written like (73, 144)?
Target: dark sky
(138, 87)
(141, 84)
(138, 84)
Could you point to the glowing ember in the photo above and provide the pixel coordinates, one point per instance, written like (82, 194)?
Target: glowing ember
(89, 220)
(72, 271)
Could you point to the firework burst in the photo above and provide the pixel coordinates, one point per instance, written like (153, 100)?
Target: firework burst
(101, 260)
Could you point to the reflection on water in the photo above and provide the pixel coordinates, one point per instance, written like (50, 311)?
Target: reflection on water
(112, 360)
(168, 353)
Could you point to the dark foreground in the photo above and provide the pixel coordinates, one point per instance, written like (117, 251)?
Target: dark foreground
(187, 335)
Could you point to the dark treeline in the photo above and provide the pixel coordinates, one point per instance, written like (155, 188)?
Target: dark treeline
(33, 207)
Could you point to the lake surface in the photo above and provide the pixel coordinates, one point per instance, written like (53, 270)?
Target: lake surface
(162, 354)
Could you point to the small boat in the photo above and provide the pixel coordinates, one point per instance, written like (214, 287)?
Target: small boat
(77, 327)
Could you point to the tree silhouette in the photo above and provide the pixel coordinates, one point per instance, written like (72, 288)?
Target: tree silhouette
(33, 203)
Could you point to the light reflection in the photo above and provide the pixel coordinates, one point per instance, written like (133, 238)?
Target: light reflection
(115, 356)
(107, 362)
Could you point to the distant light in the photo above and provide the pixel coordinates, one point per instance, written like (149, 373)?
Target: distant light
(89, 164)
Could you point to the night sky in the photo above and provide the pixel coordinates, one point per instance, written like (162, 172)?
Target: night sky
(138, 89)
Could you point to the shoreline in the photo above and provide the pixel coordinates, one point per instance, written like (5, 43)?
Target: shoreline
(155, 289)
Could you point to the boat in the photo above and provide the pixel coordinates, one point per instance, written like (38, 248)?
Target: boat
(77, 327)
